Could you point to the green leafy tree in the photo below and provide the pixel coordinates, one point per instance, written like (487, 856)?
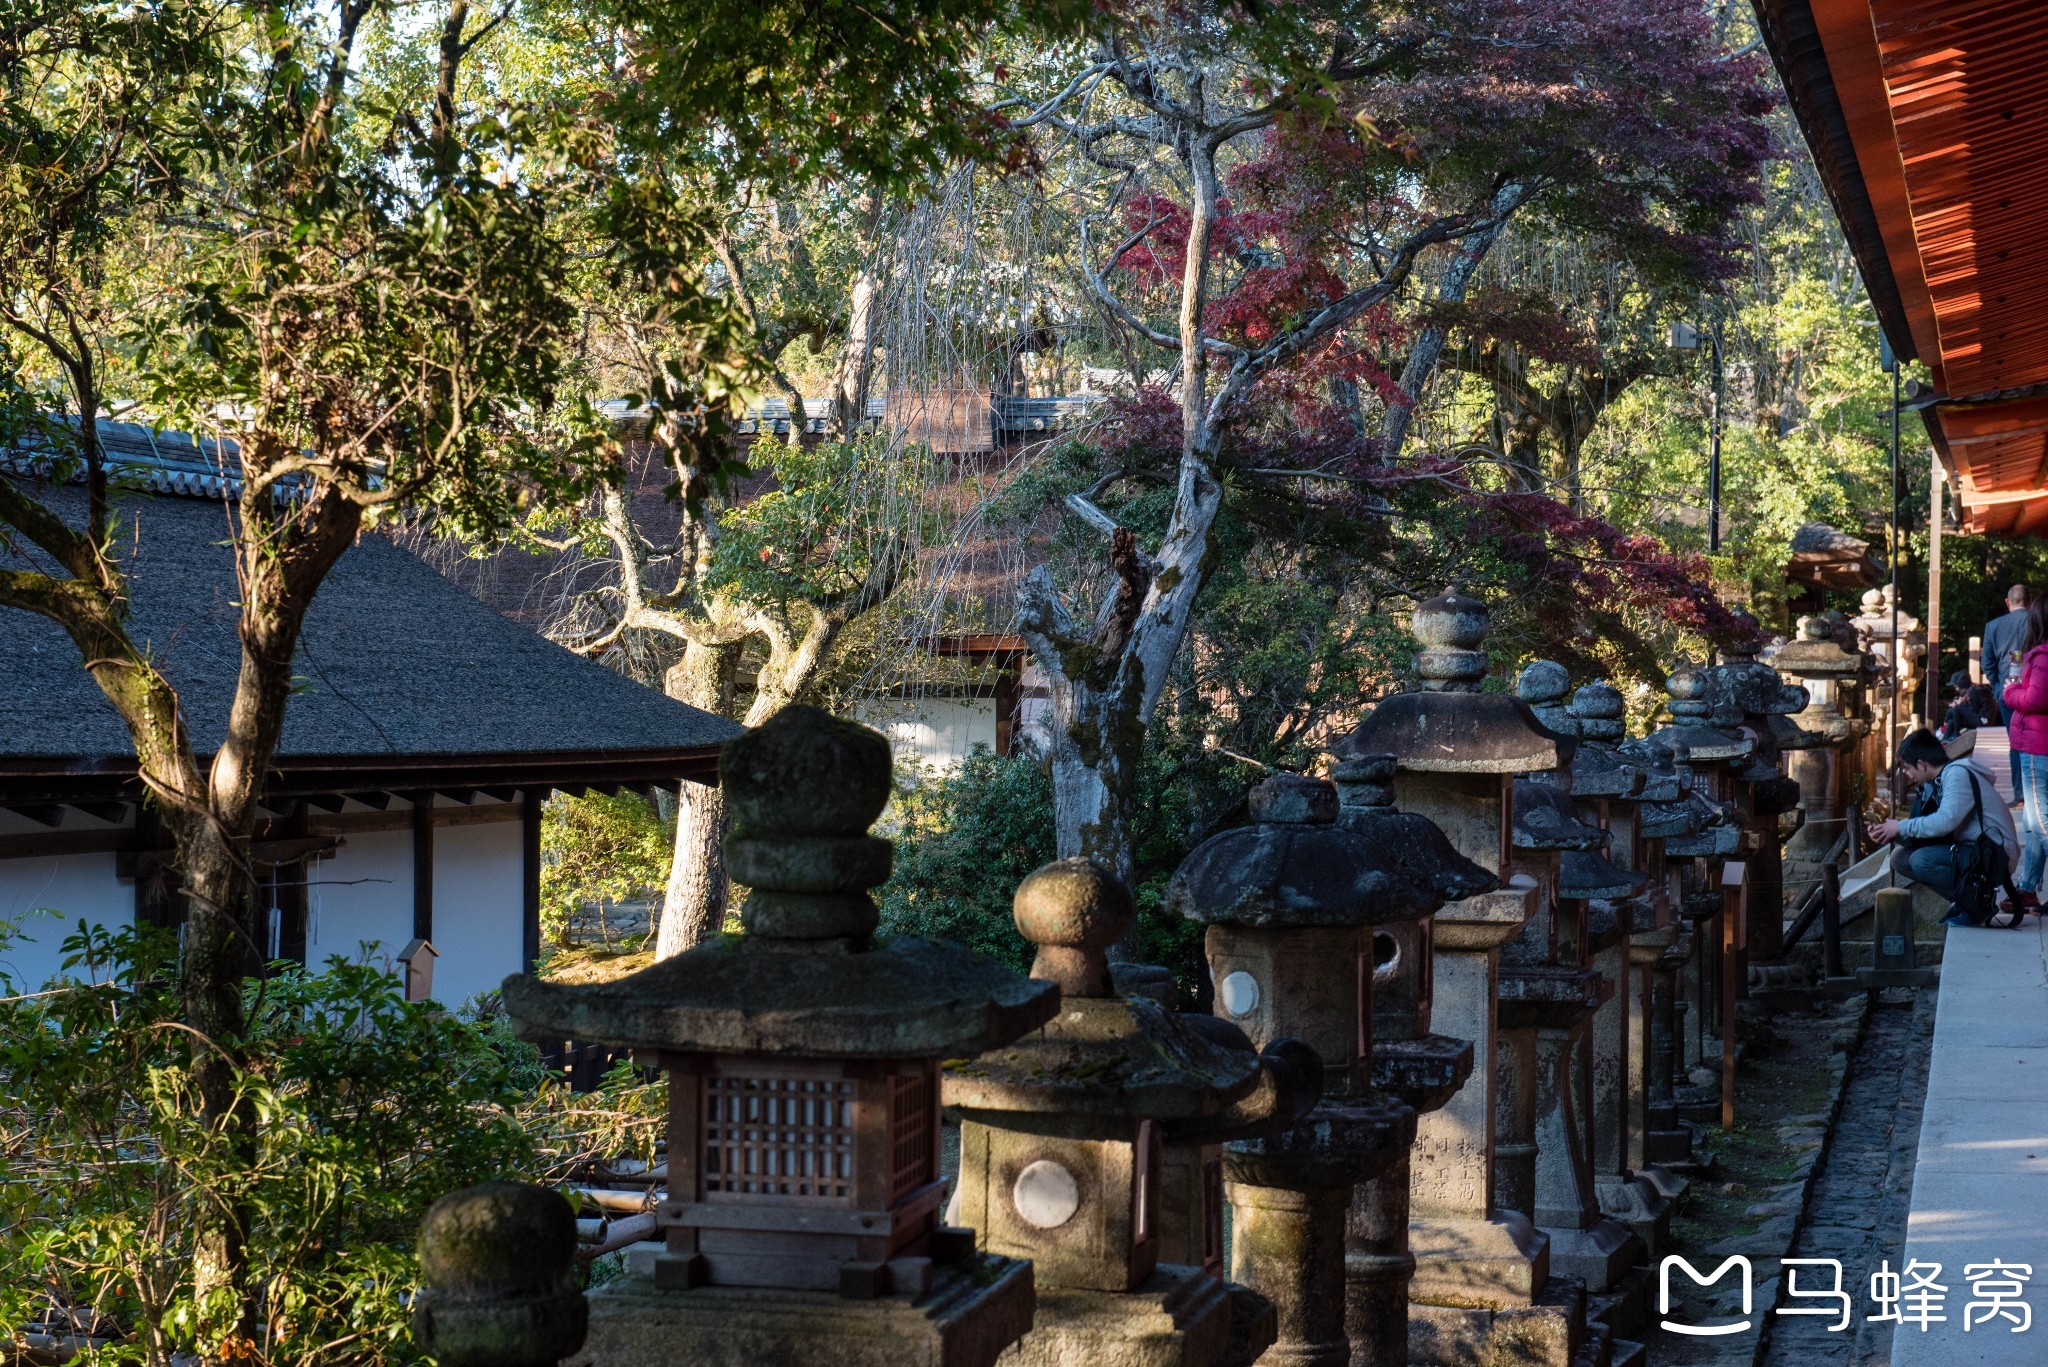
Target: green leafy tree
(599, 848)
(332, 240)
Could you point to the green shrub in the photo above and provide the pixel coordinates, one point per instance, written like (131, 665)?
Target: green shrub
(366, 1108)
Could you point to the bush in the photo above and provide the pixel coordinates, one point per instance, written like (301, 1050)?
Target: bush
(964, 841)
(367, 1108)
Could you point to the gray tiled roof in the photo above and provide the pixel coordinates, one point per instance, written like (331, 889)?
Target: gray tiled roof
(395, 660)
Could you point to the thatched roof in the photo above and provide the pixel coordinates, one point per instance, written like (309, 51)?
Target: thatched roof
(399, 667)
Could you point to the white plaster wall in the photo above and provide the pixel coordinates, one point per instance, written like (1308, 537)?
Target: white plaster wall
(363, 893)
(936, 733)
(46, 898)
(479, 897)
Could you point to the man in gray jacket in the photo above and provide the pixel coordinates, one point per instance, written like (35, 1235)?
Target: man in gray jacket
(1962, 805)
(2000, 655)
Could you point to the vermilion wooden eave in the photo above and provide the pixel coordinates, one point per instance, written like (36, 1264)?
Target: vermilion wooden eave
(1945, 103)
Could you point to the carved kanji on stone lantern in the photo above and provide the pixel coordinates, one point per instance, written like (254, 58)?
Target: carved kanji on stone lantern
(802, 1064)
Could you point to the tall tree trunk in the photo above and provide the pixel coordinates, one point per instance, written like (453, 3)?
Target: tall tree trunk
(693, 908)
(854, 372)
(217, 953)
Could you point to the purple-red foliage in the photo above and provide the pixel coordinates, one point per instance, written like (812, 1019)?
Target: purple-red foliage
(1580, 568)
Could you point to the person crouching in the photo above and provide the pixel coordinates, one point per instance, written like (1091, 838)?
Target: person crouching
(1960, 840)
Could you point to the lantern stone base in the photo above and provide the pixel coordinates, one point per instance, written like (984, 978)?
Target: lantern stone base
(1180, 1317)
(1549, 1332)
(1637, 1203)
(1598, 1255)
(970, 1315)
(1498, 1262)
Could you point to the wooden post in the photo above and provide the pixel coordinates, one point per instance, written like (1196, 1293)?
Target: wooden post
(1935, 485)
(529, 863)
(1734, 914)
(423, 866)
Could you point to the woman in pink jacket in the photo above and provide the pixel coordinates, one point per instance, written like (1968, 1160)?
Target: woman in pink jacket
(2026, 721)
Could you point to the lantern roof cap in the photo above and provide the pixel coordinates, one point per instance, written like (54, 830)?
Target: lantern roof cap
(1544, 819)
(806, 977)
(1296, 867)
(1405, 840)
(1102, 1057)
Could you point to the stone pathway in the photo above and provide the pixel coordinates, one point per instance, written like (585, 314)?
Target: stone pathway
(1856, 1209)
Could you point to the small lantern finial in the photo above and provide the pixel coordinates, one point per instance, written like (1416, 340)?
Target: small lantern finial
(1452, 631)
(1073, 910)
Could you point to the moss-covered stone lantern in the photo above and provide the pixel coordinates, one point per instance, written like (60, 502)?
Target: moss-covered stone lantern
(1480, 1272)
(1062, 1132)
(1291, 903)
(1422, 1069)
(802, 1062)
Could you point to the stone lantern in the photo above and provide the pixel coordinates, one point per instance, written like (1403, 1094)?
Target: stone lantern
(1622, 1028)
(1832, 673)
(1544, 1162)
(802, 1062)
(1421, 1069)
(1711, 756)
(1481, 1273)
(1291, 903)
(1899, 647)
(1671, 814)
(1769, 799)
(1062, 1134)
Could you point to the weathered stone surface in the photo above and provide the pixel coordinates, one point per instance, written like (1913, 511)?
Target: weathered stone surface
(1275, 874)
(1587, 874)
(497, 1281)
(909, 998)
(1498, 1261)
(967, 1319)
(1181, 1317)
(805, 979)
(1104, 1057)
(1423, 1072)
(1482, 733)
(1689, 690)
(1548, 1333)
(1544, 820)
(1341, 1142)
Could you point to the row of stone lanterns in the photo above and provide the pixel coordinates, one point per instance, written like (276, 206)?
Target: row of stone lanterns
(1460, 994)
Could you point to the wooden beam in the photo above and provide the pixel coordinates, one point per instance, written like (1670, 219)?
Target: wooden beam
(46, 844)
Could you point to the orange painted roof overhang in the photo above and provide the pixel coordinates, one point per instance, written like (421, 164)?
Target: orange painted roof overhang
(1928, 120)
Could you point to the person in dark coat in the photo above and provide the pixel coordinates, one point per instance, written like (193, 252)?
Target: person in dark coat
(1999, 657)
(1970, 706)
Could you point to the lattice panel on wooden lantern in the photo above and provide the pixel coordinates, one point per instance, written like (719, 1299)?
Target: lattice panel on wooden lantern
(910, 1133)
(780, 1137)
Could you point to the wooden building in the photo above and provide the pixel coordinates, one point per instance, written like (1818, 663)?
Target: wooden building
(405, 800)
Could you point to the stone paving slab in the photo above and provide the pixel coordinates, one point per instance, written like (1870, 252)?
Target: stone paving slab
(1980, 1187)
